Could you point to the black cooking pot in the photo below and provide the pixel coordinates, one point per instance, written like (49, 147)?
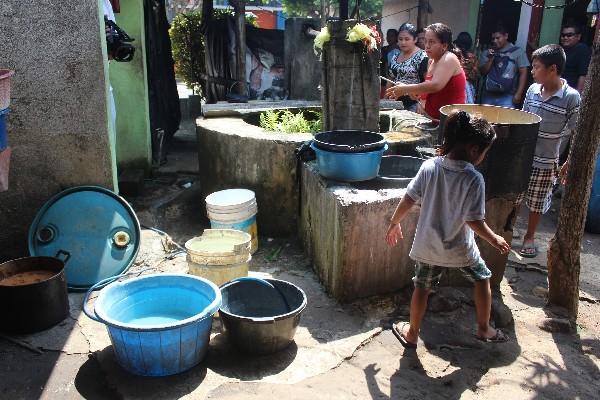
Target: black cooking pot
(349, 141)
(33, 294)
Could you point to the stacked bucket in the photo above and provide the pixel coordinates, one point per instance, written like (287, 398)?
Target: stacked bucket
(223, 252)
(5, 75)
(234, 209)
(219, 255)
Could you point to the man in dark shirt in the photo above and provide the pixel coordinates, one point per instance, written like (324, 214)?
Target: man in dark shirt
(392, 43)
(578, 56)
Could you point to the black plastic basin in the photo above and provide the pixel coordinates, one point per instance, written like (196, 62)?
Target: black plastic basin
(349, 141)
(260, 319)
(395, 172)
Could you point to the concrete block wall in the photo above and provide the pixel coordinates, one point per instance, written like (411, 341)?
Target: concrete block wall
(58, 125)
(343, 231)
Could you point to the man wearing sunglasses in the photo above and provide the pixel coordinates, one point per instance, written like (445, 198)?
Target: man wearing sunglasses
(578, 56)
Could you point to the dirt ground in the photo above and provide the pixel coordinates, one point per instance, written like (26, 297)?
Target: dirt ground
(340, 351)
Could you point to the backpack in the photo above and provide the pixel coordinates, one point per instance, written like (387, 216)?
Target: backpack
(501, 77)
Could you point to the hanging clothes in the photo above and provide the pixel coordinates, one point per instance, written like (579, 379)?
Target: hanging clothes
(165, 113)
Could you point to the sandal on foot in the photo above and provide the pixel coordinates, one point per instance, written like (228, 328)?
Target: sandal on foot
(499, 337)
(400, 336)
(528, 250)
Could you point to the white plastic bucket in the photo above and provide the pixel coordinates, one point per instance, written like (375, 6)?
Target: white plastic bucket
(229, 199)
(219, 255)
(234, 209)
(234, 216)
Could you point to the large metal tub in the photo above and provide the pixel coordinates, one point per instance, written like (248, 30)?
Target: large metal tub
(507, 166)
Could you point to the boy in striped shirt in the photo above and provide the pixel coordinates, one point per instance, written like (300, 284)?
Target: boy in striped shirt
(557, 104)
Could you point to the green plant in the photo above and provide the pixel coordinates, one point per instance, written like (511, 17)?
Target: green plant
(187, 45)
(269, 120)
(289, 122)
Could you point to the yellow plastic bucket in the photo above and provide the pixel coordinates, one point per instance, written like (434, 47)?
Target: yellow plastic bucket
(219, 255)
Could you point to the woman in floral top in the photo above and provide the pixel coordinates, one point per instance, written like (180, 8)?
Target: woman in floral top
(408, 64)
(470, 64)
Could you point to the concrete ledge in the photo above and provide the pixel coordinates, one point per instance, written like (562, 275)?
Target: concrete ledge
(225, 109)
(233, 153)
(343, 231)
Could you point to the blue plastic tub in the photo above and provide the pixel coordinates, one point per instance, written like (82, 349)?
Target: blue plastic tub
(348, 167)
(592, 223)
(3, 129)
(158, 324)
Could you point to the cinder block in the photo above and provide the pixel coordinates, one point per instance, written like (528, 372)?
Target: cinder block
(343, 231)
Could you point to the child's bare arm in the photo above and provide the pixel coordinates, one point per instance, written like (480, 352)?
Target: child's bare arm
(394, 232)
(403, 207)
(483, 231)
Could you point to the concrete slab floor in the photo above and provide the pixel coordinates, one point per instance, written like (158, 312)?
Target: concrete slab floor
(340, 351)
(182, 151)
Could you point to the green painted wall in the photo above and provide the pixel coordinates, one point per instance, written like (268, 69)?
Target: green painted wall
(473, 15)
(130, 88)
(109, 123)
(551, 21)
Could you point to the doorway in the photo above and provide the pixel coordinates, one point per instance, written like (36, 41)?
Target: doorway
(494, 12)
(576, 12)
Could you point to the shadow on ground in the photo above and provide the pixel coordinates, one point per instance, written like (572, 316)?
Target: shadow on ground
(228, 361)
(121, 383)
(449, 361)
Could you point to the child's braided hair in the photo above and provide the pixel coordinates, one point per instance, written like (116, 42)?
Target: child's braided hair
(462, 128)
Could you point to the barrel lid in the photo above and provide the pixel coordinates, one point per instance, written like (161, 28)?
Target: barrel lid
(92, 229)
(230, 198)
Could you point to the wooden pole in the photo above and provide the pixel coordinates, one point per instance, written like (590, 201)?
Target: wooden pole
(423, 14)
(563, 254)
(239, 7)
(350, 80)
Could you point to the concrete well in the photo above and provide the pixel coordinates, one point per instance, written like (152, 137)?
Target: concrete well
(234, 152)
(342, 228)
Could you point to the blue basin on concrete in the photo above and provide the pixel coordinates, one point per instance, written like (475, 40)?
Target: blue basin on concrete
(348, 167)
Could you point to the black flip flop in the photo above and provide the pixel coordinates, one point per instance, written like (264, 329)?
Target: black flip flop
(398, 333)
(499, 337)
